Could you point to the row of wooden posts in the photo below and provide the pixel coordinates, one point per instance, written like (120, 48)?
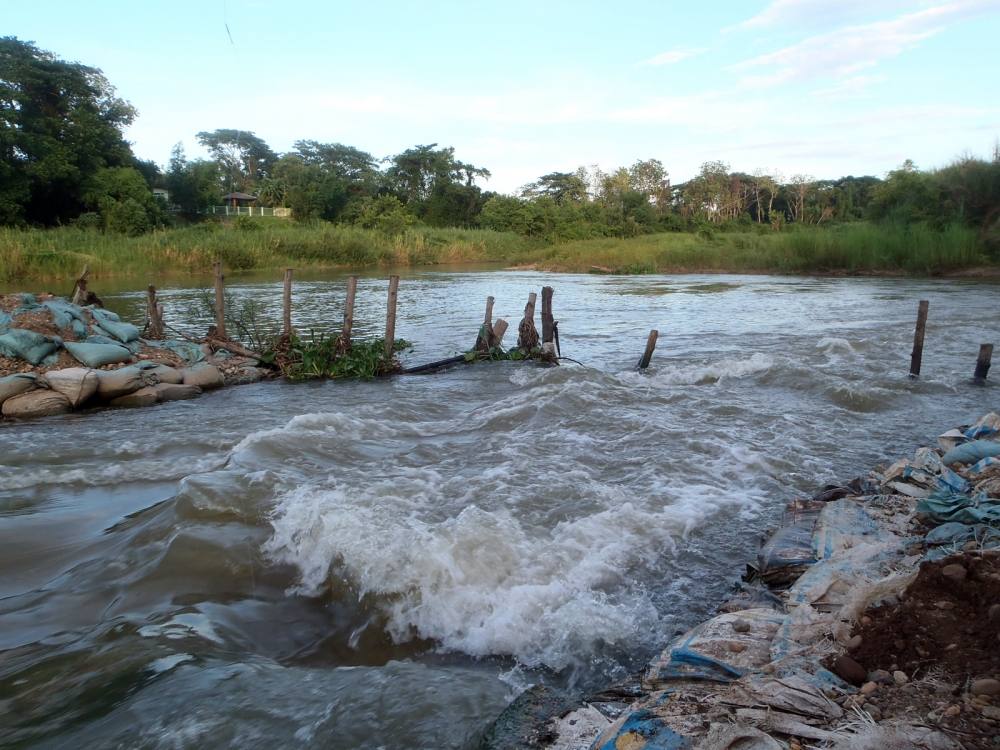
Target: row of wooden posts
(982, 362)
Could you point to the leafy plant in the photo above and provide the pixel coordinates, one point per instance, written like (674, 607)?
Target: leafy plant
(320, 356)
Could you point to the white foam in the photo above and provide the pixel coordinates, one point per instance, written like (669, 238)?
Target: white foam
(713, 371)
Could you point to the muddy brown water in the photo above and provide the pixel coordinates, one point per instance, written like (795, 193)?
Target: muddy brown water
(385, 564)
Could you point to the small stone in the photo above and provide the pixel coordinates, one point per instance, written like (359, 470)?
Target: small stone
(955, 573)
(993, 613)
(874, 711)
(900, 678)
(866, 621)
(899, 643)
(854, 643)
(736, 647)
(848, 670)
(880, 676)
(953, 710)
(869, 687)
(985, 686)
(741, 626)
(945, 604)
(951, 647)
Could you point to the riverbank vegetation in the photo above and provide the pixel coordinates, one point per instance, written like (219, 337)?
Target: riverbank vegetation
(94, 203)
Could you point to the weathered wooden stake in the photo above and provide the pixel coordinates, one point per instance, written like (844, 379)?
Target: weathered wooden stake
(345, 333)
(485, 339)
(80, 288)
(527, 334)
(154, 311)
(650, 346)
(918, 339)
(983, 362)
(390, 318)
(220, 302)
(555, 334)
(547, 327)
(499, 329)
(287, 319)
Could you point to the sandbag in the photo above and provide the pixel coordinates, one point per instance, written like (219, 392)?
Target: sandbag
(96, 355)
(205, 376)
(165, 374)
(943, 506)
(115, 383)
(77, 384)
(789, 550)
(13, 385)
(175, 392)
(143, 397)
(28, 345)
(38, 403)
(64, 313)
(107, 320)
(190, 352)
(5, 321)
(719, 650)
(969, 453)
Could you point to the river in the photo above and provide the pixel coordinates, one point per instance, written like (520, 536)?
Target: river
(387, 563)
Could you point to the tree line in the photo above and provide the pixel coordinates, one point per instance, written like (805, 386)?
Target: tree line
(64, 160)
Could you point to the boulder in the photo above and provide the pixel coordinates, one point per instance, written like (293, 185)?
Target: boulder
(77, 384)
(38, 403)
(175, 392)
(146, 396)
(204, 376)
(13, 385)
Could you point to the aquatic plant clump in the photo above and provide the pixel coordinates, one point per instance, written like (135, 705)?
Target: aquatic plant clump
(322, 356)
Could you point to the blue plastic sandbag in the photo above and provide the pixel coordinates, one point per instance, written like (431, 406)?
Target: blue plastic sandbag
(969, 453)
(95, 355)
(28, 345)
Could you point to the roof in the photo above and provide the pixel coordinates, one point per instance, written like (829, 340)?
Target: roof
(239, 197)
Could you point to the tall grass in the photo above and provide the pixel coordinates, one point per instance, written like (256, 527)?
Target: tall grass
(61, 253)
(261, 244)
(850, 248)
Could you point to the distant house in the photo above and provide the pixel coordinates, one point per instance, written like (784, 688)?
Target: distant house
(237, 200)
(162, 194)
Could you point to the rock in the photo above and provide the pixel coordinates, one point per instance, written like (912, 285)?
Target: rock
(990, 712)
(900, 678)
(854, 643)
(953, 710)
(175, 392)
(874, 711)
(40, 403)
(204, 376)
(985, 686)
(77, 384)
(880, 676)
(736, 647)
(143, 397)
(866, 620)
(993, 613)
(945, 604)
(899, 643)
(955, 573)
(869, 687)
(848, 670)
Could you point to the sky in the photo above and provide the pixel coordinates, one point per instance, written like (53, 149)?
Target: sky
(823, 88)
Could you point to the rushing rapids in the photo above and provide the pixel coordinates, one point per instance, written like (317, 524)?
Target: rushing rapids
(388, 562)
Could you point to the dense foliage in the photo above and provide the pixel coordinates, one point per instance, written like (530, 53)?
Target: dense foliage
(63, 160)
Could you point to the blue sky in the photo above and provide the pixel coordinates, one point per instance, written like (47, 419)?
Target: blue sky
(818, 87)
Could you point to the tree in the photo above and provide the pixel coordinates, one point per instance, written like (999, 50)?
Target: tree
(435, 185)
(121, 196)
(193, 185)
(60, 122)
(243, 158)
(560, 186)
(650, 178)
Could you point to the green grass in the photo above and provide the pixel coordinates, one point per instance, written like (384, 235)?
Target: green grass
(29, 254)
(850, 248)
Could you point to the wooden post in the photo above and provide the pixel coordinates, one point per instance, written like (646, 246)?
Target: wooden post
(287, 310)
(79, 296)
(345, 333)
(555, 334)
(918, 339)
(220, 302)
(154, 311)
(983, 362)
(498, 331)
(547, 327)
(485, 339)
(527, 334)
(390, 318)
(650, 346)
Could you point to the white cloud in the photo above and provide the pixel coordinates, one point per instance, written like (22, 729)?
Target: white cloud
(852, 49)
(820, 12)
(674, 56)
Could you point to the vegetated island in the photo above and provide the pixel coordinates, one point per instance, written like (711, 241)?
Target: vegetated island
(73, 194)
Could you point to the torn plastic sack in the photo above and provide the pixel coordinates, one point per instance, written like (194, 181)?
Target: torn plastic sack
(719, 650)
(96, 355)
(980, 466)
(789, 551)
(191, 353)
(28, 345)
(64, 313)
(752, 595)
(970, 453)
(943, 506)
(949, 538)
(111, 323)
(987, 426)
